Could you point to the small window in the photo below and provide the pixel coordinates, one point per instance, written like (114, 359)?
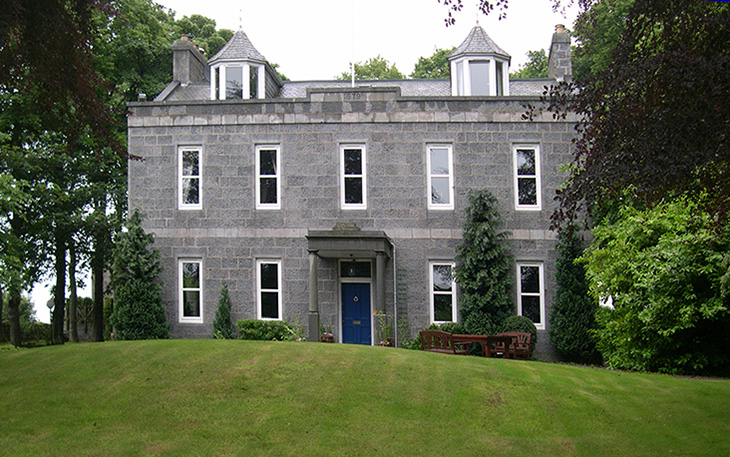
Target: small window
(253, 81)
(269, 289)
(527, 177)
(440, 177)
(479, 70)
(500, 79)
(267, 177)
(460, 78)
(443, 292)
(189, 184)
(234, 82)
(355, 269)
(531, 300)
(353, 182)
(191, 291)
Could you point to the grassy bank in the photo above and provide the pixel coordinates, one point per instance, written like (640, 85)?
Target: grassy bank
(210, 397)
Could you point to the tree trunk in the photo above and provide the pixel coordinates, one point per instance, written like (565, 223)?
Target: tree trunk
(73, 301)
(16, 337)
(2, 336)
(98, 290)
(59, 300)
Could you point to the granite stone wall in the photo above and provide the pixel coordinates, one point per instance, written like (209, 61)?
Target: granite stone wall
(228, 233)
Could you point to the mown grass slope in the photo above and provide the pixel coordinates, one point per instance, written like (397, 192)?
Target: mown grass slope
(212, 397)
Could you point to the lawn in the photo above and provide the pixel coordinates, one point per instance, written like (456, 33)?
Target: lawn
(216, 398)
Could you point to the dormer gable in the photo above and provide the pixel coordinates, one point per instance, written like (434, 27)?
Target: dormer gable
(479, 66)
(239, 71)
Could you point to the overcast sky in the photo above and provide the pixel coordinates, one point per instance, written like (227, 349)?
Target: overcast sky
(313, 39)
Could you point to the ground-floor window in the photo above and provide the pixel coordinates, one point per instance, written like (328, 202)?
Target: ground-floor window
(191, 290)
(268, 285)
(443, 292)
(530, 292)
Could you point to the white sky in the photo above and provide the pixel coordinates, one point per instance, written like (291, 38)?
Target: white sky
(313, 39)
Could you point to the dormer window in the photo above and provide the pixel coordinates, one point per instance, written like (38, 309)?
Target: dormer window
(236, 81)
(237, 71)
(479, 67)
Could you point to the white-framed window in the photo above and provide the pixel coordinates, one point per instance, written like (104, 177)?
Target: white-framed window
(237, 80)
(189, 182)
(353, 177)
(191, 290)
(440, 165)
(268, 177)
(268, 289)
(527, 184)
(480, 76)
(443, 292)
(531, 292)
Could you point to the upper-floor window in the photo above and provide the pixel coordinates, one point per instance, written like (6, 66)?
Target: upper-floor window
(189, 183)
(443, 292)
(268, 293)
(479, 76)
(527, 177)
(530, 296)
(439, 160)
(191, 291)
(236, 81)
(268, 177)
(353, 182)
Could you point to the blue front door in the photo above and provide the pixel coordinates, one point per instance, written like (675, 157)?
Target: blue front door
(356, 313)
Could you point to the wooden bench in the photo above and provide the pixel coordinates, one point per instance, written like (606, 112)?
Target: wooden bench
(519, 348)
(443, 342)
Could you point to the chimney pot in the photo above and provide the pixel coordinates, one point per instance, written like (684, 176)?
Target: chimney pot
(560, 28)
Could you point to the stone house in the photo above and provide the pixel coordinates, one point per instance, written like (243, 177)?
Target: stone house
(327, 203)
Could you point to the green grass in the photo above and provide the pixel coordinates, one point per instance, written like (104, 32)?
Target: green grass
(215, 398)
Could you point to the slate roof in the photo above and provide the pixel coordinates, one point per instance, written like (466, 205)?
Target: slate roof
(239, 47)
(408, 87)
(478, 42)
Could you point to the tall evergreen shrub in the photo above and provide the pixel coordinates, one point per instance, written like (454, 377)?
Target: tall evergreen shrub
(483, 267)
(573, 311)
(138, 312)
(222, 325)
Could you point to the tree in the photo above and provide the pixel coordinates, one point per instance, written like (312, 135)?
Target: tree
(535, 67)
(222, 325)
(373, 68)
(572, 314)
(47, 54)
(138, 312)
(483, 267)
(202, 30)
(656, 120)
(434, 67)
(662, 269)
(598, 30)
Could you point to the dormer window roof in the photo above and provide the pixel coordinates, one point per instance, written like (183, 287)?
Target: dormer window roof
(238, 70)
(479, 67)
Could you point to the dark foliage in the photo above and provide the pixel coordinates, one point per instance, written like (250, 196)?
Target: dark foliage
(138, 310)
(449, 327)
(483, 267)
(139, 313)
(46, 51)
(222, 325)
(253, 329)
(573, 311)
(657, 120)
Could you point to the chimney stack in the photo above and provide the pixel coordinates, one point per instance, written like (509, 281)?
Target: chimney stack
(188, 63)
(560, 64)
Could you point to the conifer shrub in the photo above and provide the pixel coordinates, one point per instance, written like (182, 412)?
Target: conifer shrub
(138, 312)
(222, 325)
(573, 311)
(483, 267)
